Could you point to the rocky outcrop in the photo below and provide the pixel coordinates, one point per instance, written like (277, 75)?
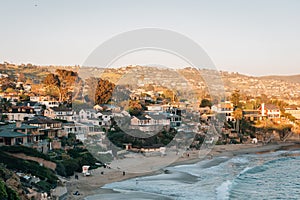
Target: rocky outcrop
(12, 181)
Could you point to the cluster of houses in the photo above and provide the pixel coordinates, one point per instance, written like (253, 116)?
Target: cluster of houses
(41, 122)
(269, 111)
(157, 116)
(32, 121)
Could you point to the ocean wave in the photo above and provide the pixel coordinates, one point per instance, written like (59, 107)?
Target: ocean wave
(223, 190)
(239, 160)
(245, 171)
(240, 177)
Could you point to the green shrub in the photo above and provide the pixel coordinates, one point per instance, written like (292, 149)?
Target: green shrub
(3, 193)
(71, 166)
(26, 150)
(60, 169)
(11, 194)
(43, 186)
(31, 167)
(6, 193)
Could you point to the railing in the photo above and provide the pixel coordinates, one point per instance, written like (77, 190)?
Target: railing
(269, 139)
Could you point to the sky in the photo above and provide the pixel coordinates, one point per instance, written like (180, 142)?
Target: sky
(257, 37)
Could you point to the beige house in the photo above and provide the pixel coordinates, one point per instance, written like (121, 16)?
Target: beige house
(269, 111)
(59, 113)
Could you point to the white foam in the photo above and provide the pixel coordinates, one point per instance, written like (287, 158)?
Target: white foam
(245, 170)
(240, 160)
(223, 190)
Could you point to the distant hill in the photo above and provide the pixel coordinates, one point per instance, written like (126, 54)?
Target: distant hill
(288, 78)
(184, 79)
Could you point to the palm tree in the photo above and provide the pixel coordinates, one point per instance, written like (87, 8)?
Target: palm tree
(238, 115)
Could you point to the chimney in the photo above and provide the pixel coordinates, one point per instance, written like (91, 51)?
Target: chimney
(263, 109)
(18, 124)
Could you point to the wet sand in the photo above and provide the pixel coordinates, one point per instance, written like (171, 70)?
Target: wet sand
(91, 185)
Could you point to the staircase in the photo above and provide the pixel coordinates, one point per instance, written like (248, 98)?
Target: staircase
(287, 136)
(269, 139)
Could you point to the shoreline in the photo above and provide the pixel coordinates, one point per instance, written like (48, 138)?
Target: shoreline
(91, 185)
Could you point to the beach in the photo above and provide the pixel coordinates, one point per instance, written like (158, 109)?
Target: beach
(91, 185)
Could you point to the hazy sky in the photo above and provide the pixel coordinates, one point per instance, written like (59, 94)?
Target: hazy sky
(255, 37)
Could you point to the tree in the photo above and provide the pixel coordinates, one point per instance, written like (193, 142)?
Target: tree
(5, 104)
(3, 118)
(92, 84)
(235, 99)
(63, 81)
(67, 80)
(3, 193)
(264, 98)
(12, 194)
(135, 108)
(71, 165)
(22, 78)
(51, 80)
(52, 83)
(238, 115)
(24, 97)
(10, 90)
(149, 87)
(7, 83)
(169, 95)
(205, 103)
(104, 91)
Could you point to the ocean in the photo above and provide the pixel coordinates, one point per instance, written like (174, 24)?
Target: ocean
(272, 175)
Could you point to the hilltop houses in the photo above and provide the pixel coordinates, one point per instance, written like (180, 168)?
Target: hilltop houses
(48, 102)
(150, 120)
(252, 115)
(157, 115)
(295, 112)
(10, 137)
(19, 113)
(224, 108)
(86, 114)
(46, 126)
(95, 117)
(269, 111)
(81, 130)
(37, 107)
(18, 133)
(61, 113)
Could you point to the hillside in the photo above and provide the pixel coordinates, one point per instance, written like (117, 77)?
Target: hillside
(189, 80)
(288, 78)
(10, 185)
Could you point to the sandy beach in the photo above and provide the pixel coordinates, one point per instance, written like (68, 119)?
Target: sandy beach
(92, 184)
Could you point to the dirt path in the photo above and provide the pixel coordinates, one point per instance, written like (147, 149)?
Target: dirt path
(45, 163)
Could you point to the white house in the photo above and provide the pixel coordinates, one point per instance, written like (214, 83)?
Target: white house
(19, 113)
(50, 104)
(62, 113)
(224, 108)
(270, 111)
(155, 108)
(105, 118)
(81, 130)
(149, 122)
(86, 114)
